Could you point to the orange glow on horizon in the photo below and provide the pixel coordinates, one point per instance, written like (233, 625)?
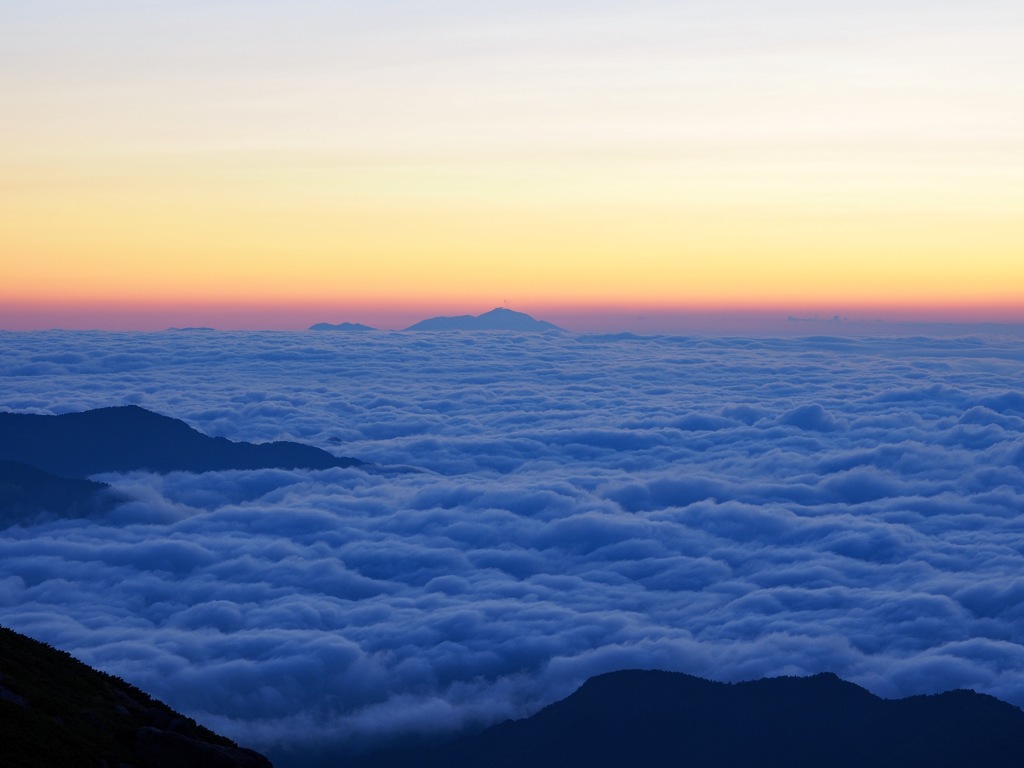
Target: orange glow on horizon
(581, 316)
(712, 169)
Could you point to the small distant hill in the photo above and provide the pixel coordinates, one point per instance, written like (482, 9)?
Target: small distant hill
(496, 320)
(127, 438)
(57, 711)
(28, 495)
(340, 327)
(665, 720)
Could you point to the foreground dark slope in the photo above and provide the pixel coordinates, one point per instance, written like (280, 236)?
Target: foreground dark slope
(56, 711)
(654, 719)
(126, 438)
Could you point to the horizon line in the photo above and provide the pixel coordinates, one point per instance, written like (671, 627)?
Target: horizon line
(581, 319)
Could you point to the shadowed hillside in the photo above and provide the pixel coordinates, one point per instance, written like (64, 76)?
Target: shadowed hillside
(57, 711)
(661, 719)
(28, 494)
(126, 438)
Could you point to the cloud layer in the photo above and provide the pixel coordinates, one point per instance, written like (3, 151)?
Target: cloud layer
(726, 507)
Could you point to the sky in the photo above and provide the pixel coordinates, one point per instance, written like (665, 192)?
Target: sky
(730, 508)
(271, 165)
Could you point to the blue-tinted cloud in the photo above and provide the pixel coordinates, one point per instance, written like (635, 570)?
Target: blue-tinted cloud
(730, 508)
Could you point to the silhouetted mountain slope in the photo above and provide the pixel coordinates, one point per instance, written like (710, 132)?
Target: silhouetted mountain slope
(28, 494)
(496, 320)
(127, 438)
(340, 327)
(57, 711)
(660, 719)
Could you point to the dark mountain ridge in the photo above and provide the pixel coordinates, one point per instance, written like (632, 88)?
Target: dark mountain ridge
(659, 719)
(57, 711)
(127, 438)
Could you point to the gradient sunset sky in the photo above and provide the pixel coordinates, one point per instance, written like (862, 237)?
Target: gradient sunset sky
(269, 165)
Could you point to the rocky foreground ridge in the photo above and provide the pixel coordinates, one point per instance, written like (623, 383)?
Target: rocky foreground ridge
(57, 711)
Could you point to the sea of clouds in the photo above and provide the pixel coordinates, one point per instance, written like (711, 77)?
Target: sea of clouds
(541, 508)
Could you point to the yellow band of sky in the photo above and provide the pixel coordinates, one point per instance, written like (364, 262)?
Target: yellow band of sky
(652, 157)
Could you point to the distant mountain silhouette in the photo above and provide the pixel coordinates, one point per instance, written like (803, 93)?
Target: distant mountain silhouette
(340, 327)
(661, 719)
(126, 438)
(57, 711)
(28, 494)
(496, 320)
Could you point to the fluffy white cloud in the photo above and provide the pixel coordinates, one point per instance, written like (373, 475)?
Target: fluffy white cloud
(543, 508)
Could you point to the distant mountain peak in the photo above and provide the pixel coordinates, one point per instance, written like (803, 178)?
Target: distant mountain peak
(498, 319)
